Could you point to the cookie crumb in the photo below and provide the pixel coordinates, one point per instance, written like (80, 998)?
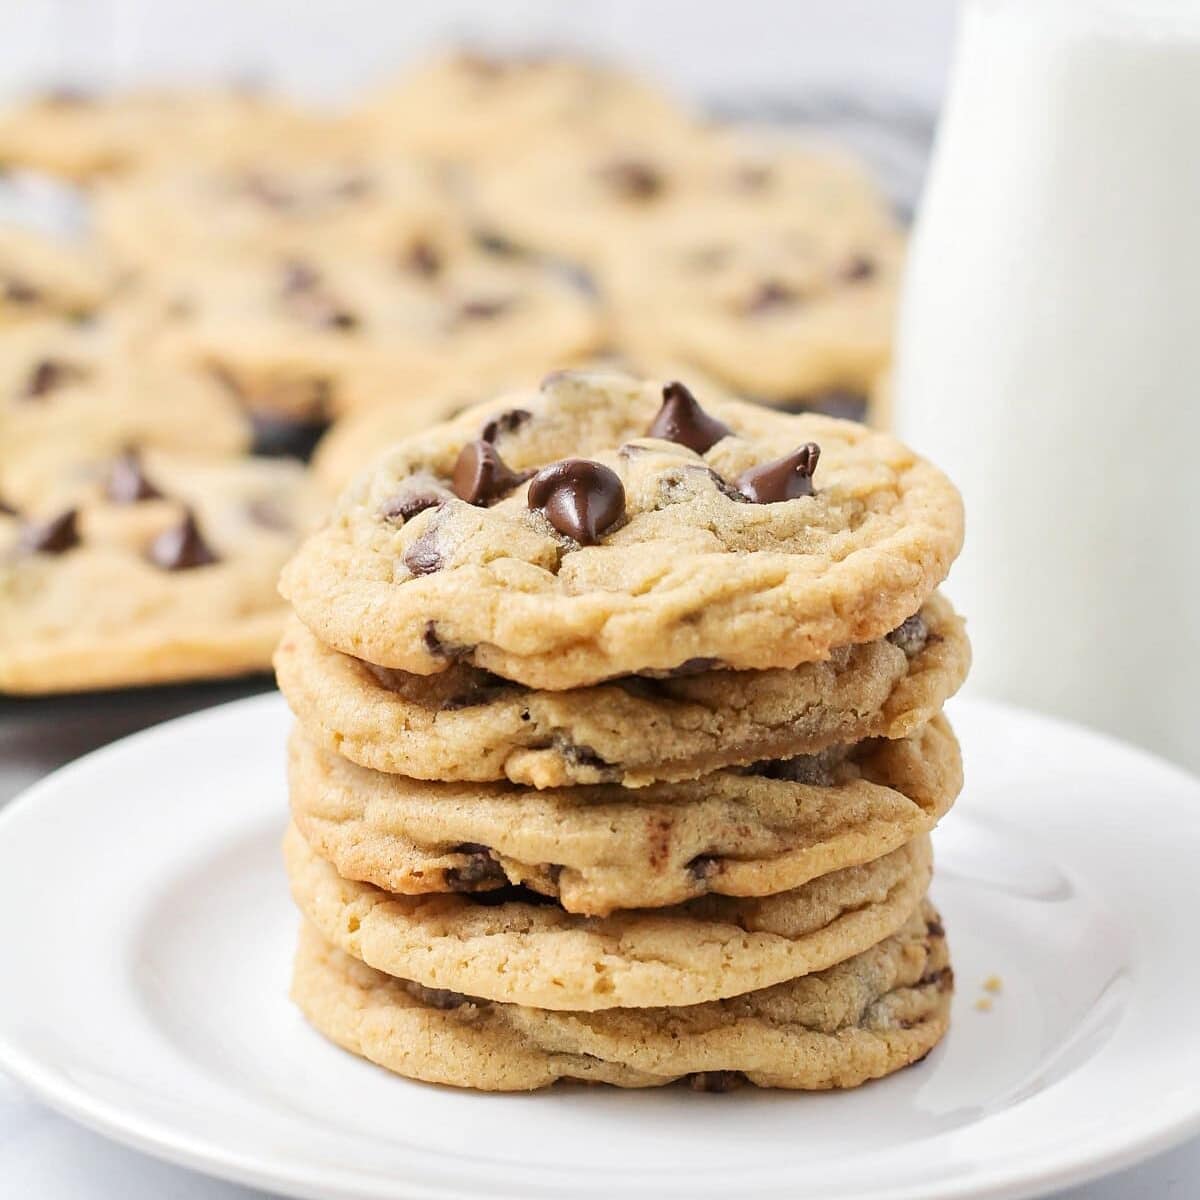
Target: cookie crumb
(983, 1004)
(993, 984)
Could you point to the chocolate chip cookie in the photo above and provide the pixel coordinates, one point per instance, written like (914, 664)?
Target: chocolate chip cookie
(43, 276)
(466, 723)
(603, 526)
(520, 948)
(875, 1013)
(309, 336)
(475, 108)
(160, 569)
(768, 828)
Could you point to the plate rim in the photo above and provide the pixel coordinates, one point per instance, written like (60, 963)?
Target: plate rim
(1086, 1161)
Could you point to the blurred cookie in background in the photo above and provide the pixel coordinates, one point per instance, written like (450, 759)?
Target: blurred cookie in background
(160, 568)
(471, 107)
(82, 136)
(282, 202)
(41, 275)
(303, 339)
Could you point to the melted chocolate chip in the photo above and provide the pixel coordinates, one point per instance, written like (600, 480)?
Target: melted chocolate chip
(491, 242)
(816, 770)
(423, 258)
(579, 756)
(633, 178)
(55, 536)
(481, 476)
(302, 287)
(20, 291)
(911, 636)
(480, 868)
(7, 510)
(580, 498)
(46, 375)
(439, 998)
(770, 295)
(277, 436)
(513, 894)
(703, 867)
(716, 1081)
(484, 309)
(181, 547)
(424, 556)
(690, 666)
(404, 507)
(506, 422)
(438, 648)
(127, 482)
(786, 478)
(859, 269)
(682, 420)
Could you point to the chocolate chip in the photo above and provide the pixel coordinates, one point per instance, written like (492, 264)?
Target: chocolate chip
(770, 295)
(690, 666)
(302, 287)
(682, 420)
(127, 482)
(404, 507)
(278, 436)
(514, 894)
(46, 375)
(846, 404)
(633, 178)
(859, 269)
(20, 291)
(181, 547)
(579, 756)
(716, 1081)
(480, 868)
(703, 867)
(423, 258)
(935, 929)
(786, 478)
(943, 978)
(580, 498)
(269, 514)
(438, 648)
(481, 476)
(816, 770)
(483, 308)
(911, 636)
(491, 242)
(55, 536)
(439, 998)
(7, 510)
(424, 556)
(506, 422)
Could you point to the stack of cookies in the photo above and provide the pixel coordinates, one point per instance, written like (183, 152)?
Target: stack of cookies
(619, 744)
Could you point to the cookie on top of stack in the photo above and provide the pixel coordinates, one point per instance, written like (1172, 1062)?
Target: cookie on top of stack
(618, 746)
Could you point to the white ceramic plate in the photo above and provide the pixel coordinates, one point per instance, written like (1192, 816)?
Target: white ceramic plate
(145, 937)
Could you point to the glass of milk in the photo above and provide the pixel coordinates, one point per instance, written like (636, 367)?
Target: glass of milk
(1049, 355)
